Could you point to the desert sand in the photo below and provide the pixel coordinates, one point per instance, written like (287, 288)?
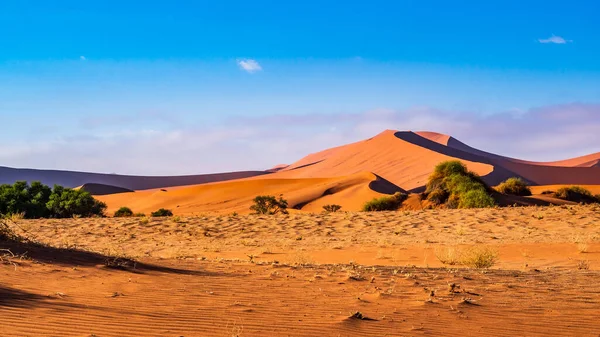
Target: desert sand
(215, 270)
(305, 274)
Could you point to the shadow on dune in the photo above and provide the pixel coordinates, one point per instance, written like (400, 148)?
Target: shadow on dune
(15, 298)
(76, 257)
(384, 186)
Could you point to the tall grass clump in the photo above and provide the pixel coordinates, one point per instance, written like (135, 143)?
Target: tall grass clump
(387, 203)
(514, 186)
(452, 185)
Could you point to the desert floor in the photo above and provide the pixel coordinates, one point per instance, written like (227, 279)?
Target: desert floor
(307, 274)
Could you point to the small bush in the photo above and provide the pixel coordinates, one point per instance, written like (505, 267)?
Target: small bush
(597, 197)
(475, 257)
(480, 257)
(475, 199)
(139, 215)
(514, 186)
(123, 212)
(576, 194)
(162, 212)
(269, 205)
(456, 187)
(332, 208)
(388, 203)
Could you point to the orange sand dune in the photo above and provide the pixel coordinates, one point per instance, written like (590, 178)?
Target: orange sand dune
(236, 196)
(406, 159)
(400, 161)
(397, 160)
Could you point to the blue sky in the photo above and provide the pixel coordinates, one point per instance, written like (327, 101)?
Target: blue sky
(189, 87)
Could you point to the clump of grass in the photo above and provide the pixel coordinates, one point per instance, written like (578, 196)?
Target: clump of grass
(388, 203)
(480, 257)
(514, 186)
(474, 257)
(575, 194)
(144, 220)
(448, 255)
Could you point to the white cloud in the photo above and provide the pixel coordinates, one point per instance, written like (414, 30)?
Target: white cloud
(544, 133)
(82, 58)
(554, 39)
(249, 65)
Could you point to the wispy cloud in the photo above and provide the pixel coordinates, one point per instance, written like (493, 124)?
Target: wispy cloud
(555, 39)
(544, 133)
(82, 58)
(249, 65)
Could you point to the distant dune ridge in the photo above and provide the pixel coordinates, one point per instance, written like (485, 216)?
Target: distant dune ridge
(347, 175)
(75, 179)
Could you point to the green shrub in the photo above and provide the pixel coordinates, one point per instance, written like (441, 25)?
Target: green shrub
(268, 204)
(438, 196)
(39, 201)
(332, 208)
(162, 212)
(514, 186)
(387, 203)
(576, 194)
(123, 212)
(476, 198)
(67, 202)
(456, 187)
(139, 215)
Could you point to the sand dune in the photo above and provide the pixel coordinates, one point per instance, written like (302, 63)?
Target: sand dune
(74, 179)
(407, 158)
(352, 174)
(236, 196)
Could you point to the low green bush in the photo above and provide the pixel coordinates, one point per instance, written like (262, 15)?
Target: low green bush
(576, 194)
(162, 212)
(387, 203)
(123, 212)
(514, 186)
(456, 187)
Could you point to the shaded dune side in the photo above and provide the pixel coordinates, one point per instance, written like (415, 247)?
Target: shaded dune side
(102, 189)
(74, 179)
(402, 158)
(583, 161)
(236, 196)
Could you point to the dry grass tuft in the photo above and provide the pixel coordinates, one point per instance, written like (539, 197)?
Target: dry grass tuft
(474, 257)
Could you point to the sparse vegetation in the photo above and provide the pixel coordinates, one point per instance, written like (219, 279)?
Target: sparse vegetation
(269, 205)
(388, 203)
(474, 257)
(514, 186)
(162, 212)
(576, 194)
(123, 212)
(39, 201)
(332, 208)
(456, 187)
